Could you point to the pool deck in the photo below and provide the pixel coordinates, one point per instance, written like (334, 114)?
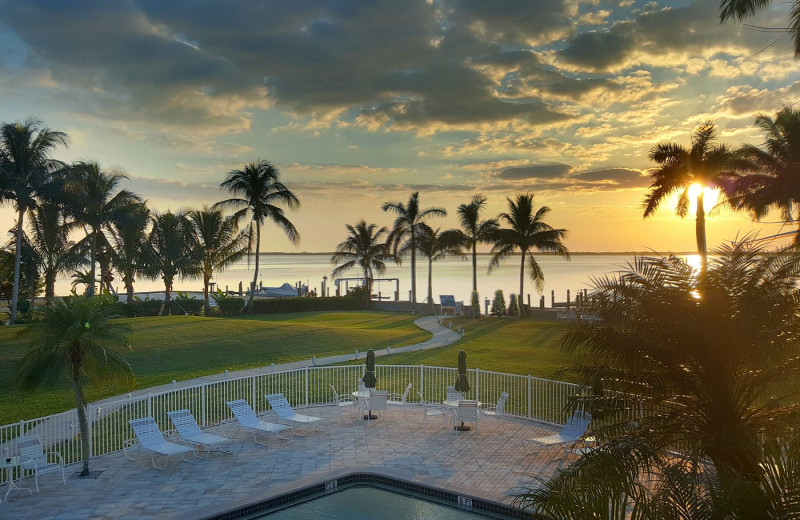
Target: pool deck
(488, 464)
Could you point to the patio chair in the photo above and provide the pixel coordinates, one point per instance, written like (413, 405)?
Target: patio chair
(343, 402)
(467, 411)
(396, 399)
(496, 410)
(152, 440)
(33, 458)
(571, 433)
(189, 431)
(451, 394)
(284, 411)
(376, 402)
(247, 419)
(432, 410)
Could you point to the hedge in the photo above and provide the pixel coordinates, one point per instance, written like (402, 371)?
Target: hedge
(305, 304)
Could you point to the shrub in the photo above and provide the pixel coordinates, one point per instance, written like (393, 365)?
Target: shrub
(332, 303)
(138, 307)
(228, 305)
(513, 308)
(475, 302)
(499, 303)
(183, 304)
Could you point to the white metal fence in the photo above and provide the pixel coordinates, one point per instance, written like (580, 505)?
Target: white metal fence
(529, 397)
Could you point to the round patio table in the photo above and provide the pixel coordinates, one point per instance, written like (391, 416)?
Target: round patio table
(8, 464)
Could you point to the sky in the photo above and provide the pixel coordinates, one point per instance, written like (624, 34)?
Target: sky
(358, 103)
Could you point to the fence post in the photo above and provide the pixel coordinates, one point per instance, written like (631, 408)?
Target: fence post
(253, 383)
(150, 404)
(422, 381)
(477, 384)
(203, 406)
(529, 396)
(90, 413)
(306, 389)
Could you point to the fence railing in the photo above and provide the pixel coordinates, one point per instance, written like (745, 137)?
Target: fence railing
(529, 397)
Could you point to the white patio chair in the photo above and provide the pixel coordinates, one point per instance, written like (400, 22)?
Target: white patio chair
(396, 399)
(32, 457)
(451, 394)
(362, 386)
(247, 419)
(432, 410)
(189, 431)
(571, 433)
(467, 411)
(280, 405)
(376, 402)
(343, 402)
(496, 410)
(152, 440)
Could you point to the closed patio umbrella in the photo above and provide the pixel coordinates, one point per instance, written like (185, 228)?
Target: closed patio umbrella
(369, 378)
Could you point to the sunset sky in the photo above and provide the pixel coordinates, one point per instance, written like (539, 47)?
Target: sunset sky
(362, 102)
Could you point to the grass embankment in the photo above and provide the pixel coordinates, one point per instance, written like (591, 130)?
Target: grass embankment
(181, 347)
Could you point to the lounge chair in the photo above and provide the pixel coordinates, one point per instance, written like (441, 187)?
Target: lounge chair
(399, 399)
(189, 431)
(496, 410)
(376, 402)
(571, 433)
(248, 420)
(285, 412)
(432, 410)
(33, 458)
(343, 402)
(152, 440)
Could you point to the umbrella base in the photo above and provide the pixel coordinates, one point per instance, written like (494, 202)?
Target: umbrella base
(370, 417)
(462, 428)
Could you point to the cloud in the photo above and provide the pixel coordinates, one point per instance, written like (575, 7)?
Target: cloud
(547, 171)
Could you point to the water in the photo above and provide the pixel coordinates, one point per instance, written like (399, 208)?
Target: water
(366, 503)
(450, 276)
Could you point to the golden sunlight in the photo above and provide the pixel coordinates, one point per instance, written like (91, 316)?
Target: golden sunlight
(710, 197)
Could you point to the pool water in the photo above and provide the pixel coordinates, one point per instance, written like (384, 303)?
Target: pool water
(368, 502)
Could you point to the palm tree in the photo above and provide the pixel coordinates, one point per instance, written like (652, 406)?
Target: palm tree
(128, 245)
(705, 164)
(52, 246)
(171, 254)
(75, 337)
(742, 9)
(773, 174)
(526, 231)
(406, 230)
(435, 245)
(691, 368)
(474, 230)
(260, 193)
(216, 242)
(92, 202)
(362, 247)
(26, 171)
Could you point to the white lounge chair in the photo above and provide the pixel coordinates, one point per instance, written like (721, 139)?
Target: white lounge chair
(571, 433)
(377, 401)
(343, 402)
(280, 405)
(432, 410)
(467, 411)
(152, 440)
(248, 420)
(399, 399)
(189, 431)
(496, 410)
(32, 457)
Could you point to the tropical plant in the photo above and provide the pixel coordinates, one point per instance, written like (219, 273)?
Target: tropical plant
(128, 247)
(474, 230)
(436, 245)
(364, 248)
(406, 230)
(26, 175)
(513, 305)
(526, 231)
(170, 252)
(82, 278)
(228, 305)
(53, 250)
(740, 10)
(216, 242)
(499, 303)
(475, 305)
(91, 201)
(704, 165)
(76, 337)
(260, 194)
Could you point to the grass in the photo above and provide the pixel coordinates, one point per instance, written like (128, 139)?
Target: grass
(184, 347)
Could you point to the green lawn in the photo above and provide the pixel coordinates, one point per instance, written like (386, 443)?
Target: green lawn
(181, 347)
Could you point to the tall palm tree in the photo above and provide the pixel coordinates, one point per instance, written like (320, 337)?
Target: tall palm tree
(526, 231)
(128, 245)
(171, 254)
(434, 245)
(26, 171)
(704, 164)
(93, 200)
(54, 250)
(216, 242)
(260, 194)
(773, 173)
(76, 337)
(364, 248)
(742, 9)
(474, 230)
(406, 229)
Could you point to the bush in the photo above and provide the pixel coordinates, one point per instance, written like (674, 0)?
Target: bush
(228, 305)
(475, 302)
(513, 307)
(138, 307)
(183, 304)
(499, 303)
(333, 303)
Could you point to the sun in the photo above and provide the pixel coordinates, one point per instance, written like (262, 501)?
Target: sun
(710, 197)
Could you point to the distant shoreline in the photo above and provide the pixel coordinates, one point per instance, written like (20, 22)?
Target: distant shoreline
(535, 253)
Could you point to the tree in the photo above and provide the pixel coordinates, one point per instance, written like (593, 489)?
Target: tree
(216, 242)
(435, 245)
(773, 173)
(260, 194)
(526, 231)
(75, 337)
(406, 230)
(170, 252)
(705, 164)
(740, 10)
(474, 230)
(53, 249)
(705, 364)
(91, 201)
(364, 248)
(128, 245)
(26, 173)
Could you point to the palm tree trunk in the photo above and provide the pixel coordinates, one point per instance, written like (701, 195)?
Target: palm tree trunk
(700, 231)
(49, 287)
(17, 263)
(206, 279)
(523, 311)
(93, 259)
(167, 295)
(413, 268)
(83, 422)
(430, 281)
(474, 266)
(129, 291)
(249, 307)
(368, 282)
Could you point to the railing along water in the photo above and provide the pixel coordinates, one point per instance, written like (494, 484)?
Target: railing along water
(529, 397)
